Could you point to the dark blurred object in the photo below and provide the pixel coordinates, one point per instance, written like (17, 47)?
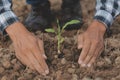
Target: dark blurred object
(71, 10)
(40, 17)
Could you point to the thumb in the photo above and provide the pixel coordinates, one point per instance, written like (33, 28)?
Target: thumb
(41, 47)
(80, 41)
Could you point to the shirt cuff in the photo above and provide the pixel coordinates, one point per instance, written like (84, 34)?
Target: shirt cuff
(104, 17)
(6, 19)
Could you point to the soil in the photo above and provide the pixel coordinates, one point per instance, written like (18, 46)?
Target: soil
(63, 66)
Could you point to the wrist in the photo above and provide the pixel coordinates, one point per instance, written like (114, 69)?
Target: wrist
(101, 26)
(98, 26)
(16, 30)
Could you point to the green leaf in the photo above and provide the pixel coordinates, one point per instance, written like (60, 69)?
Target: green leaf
(62, 40)
(70, 23)
(50, 30)
(58, 26)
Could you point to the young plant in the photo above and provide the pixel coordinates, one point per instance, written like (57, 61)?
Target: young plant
(59, 31)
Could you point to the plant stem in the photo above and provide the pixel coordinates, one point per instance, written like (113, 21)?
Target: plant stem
(59, 39)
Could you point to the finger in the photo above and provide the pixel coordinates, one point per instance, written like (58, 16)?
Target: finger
(25, 61)
(37, 54)
(84, 52)
(41, 47)
(36, 64)
(42, 62)
(96, 55)
(90, 53)
(80, 41)
(23, 58)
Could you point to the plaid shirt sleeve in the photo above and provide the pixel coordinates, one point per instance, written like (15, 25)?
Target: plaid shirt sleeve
(7, 17)
(106, 11)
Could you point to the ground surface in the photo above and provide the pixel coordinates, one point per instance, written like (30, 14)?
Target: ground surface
(63, 67)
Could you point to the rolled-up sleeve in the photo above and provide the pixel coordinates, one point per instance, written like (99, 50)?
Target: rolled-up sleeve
(106, 11)
(7, 17)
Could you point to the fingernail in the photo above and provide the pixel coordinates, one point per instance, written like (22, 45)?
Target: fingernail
(46, 71)
(89, 65)
(80, 46)
(83, 65)
(45, 56)
(80, 62)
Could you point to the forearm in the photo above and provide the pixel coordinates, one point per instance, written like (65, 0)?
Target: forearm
(106, 11)
(7, 17)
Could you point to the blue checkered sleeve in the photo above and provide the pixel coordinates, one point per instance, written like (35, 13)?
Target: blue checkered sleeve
(7, 17)
(106, 11)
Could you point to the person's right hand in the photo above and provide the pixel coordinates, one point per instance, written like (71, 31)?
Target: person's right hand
(29, 49)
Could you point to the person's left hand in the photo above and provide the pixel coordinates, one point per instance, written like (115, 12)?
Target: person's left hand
(92, 43)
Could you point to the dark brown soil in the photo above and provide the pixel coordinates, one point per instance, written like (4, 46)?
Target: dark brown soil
(63, 66)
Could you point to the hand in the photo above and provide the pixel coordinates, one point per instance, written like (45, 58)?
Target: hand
(29, 49)
(92, 43)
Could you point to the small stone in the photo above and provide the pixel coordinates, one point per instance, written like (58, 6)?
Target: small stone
(63, 61)
(113, 79)
(71, 70)
(1, 70)
(58, 75)
(117, 60)
(56, 56)
(98, 78)
(21, 78)
(4, 78)
(74, 77)
(118, 77)
(37, 78)
(100, 63)
(59, 72)
(87, 78)
(17, 66)
(108, 60)
(11, 48)
(6, 64)
(14, 61)
(28, 76)
(73, 66)
(66, 76)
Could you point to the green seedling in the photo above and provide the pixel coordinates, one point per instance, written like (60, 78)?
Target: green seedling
(59, 31)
